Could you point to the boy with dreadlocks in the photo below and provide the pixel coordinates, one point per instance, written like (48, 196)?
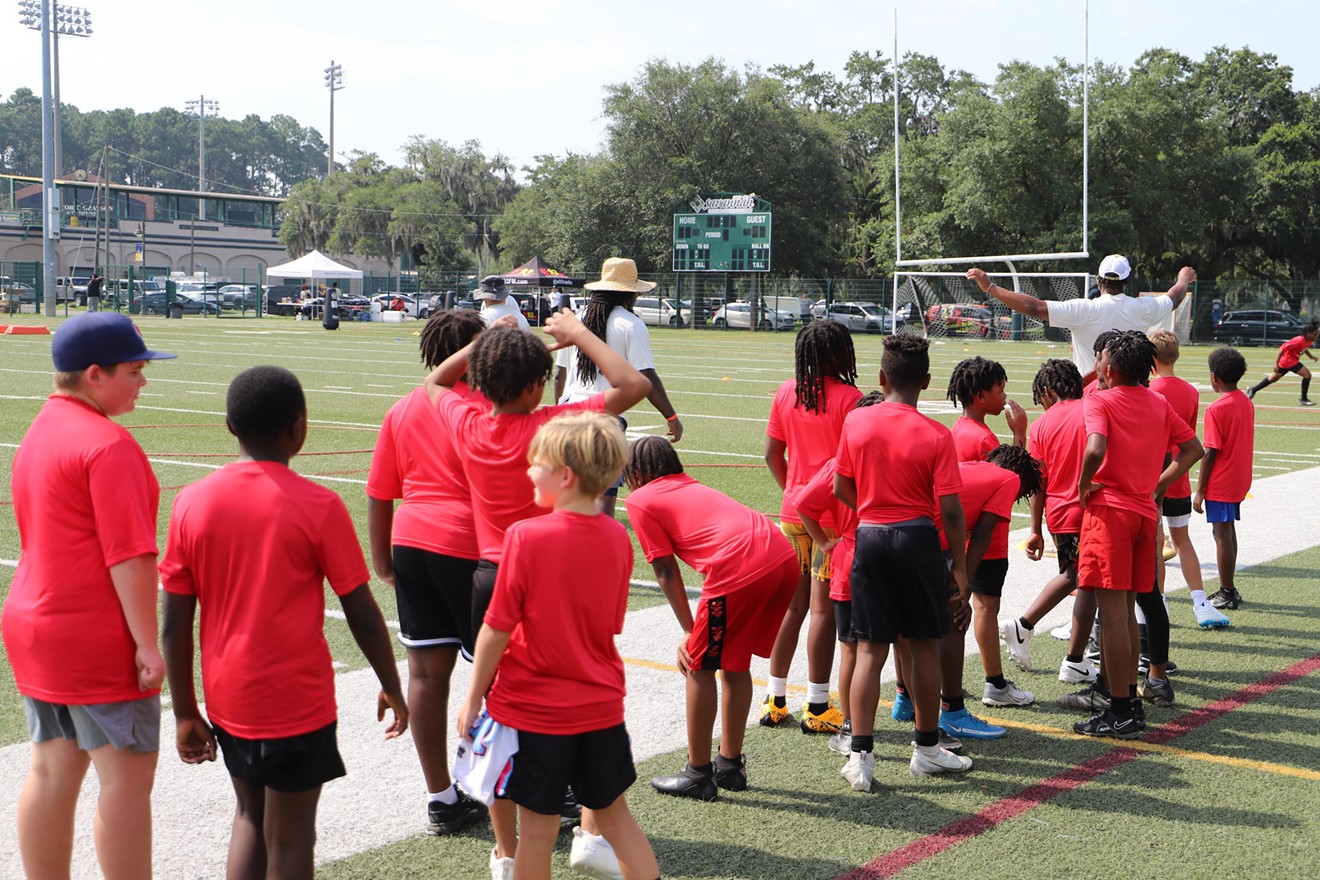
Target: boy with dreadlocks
(427, 550)
(608, 315)
(806, 420)
(511, 368)
(1129, 428)
(749, 573)
(977, 384)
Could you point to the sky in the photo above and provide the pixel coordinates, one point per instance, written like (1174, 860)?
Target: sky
(527, 77)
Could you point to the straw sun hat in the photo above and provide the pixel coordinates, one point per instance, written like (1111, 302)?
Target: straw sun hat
(619, 273)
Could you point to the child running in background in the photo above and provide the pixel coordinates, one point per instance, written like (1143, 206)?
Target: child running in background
(1129, 428)
(977, 385)
(546, 661)
(511, 368)
(429, 567)
(813, 501)
(1289, 361)
(806, 420)
(1225, 478)
(254, 544)
(749, 573)
(895, 467)
(1057, 440)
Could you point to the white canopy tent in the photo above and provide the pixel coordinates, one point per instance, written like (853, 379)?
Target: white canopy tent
(313, 266)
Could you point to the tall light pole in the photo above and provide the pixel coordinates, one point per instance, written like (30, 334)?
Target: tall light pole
(70, 21)
(39, 15)
(199, 109)
(334, 81)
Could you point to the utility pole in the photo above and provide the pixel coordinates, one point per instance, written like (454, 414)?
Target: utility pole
(334, 81)
(199, 108)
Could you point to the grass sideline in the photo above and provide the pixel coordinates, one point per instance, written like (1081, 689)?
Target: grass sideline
(722, 384)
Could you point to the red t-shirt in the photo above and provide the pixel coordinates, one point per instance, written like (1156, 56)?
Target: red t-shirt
(813, 500)
(986, 488)
(85, 500)
(1186, 402)
(972, 439)
(495, 463)
(255, 543)
(562, 591)
(417, 460)
(1230, 427)
(900, 460)
(1058, 439)
(1290, 353)
(811, 437)
(729, 544)
(1139, 425)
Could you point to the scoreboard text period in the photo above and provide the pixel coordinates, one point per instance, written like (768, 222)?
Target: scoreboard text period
(723, 233)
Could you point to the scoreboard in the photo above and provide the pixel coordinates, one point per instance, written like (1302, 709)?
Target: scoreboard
(723, 234)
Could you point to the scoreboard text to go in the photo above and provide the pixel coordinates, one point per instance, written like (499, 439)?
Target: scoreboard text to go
(722, 242)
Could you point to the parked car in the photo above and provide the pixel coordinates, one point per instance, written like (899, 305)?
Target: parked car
(155, 303)
(863, 317)
(15, 293)
(962, 319)
(236, 296)
(69, 287)
(1258, 327)
(412, 305)
(739, 315)
(661, 312)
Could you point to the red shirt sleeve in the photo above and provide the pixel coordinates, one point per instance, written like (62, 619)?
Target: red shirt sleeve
(384, 482)
(774, 428)
(510, 593)
(340, 552)
(125, 498)
(843, 460)
(176, 574)
(1095, 414)
(651, 536)
(816, 498)
(947, 479)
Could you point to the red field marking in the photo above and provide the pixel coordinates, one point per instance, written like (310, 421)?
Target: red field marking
(992, 815)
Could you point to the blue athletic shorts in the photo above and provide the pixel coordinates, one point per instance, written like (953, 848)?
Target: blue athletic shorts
(1222, 511)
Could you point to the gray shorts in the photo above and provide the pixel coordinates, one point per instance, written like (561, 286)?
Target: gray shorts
(134, 724)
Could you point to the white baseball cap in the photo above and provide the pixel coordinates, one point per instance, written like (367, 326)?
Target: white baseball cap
(1115, 268)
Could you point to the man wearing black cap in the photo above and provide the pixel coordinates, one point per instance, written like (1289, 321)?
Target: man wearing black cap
(80, 619)
(495, 304)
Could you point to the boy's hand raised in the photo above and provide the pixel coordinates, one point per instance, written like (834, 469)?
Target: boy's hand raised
(400, 708)
(564, 327)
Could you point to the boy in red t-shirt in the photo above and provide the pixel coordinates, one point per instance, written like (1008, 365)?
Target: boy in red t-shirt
(254, 544)
(806, 419)
(1129, 428)
(977, 385)
(1289, 361)
(547, 644)
(749, 573)
(895, 467)
(1225, 478)
(427, 550)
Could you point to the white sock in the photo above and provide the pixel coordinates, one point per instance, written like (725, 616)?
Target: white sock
(777, 687)
(448, 796)
(929, 751)
(1198, 597)
(1141, 615)
(818, 692)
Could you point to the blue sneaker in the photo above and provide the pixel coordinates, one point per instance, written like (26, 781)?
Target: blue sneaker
(966, 725)
(903, 708)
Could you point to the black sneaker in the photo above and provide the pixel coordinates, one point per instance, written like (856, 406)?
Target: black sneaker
(1089, 699)
(731, 773)
(1305, 402)
(1109, 724)
(1139, 714)
(691, 783)
(571, 814)
(1229, 599)
(452, 818)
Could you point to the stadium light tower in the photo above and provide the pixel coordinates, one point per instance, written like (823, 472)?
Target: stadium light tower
(334, 81)
(69, 21)
(199, 108)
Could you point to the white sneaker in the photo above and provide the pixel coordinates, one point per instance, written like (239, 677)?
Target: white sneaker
(933, 760)
(1017, 642)
(860, 770)
(1209, 617)
(500, 869)
(1077, 673)
(841, 742)
(1062, 633)
(1008, 695)
(592, 856)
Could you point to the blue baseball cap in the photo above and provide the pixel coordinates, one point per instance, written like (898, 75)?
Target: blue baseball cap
(103, 338)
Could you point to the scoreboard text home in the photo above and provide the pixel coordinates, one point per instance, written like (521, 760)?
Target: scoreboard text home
(725, 233)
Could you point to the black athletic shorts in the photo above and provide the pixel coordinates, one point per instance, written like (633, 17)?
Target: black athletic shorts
(1295, 368)
(598, 765)
(1176, 506)
(288, 764)
(843, 621)
(989, 579)
(483, 588)
(434, 594)
(899, 584)
(1065, 547)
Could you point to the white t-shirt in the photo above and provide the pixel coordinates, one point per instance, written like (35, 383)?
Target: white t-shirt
(493, 310)
(1088, 318)
(626, 334)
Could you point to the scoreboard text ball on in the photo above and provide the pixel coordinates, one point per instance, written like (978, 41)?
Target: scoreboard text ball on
(723, 233)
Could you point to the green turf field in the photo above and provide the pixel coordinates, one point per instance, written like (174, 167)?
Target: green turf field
(1186, 809)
